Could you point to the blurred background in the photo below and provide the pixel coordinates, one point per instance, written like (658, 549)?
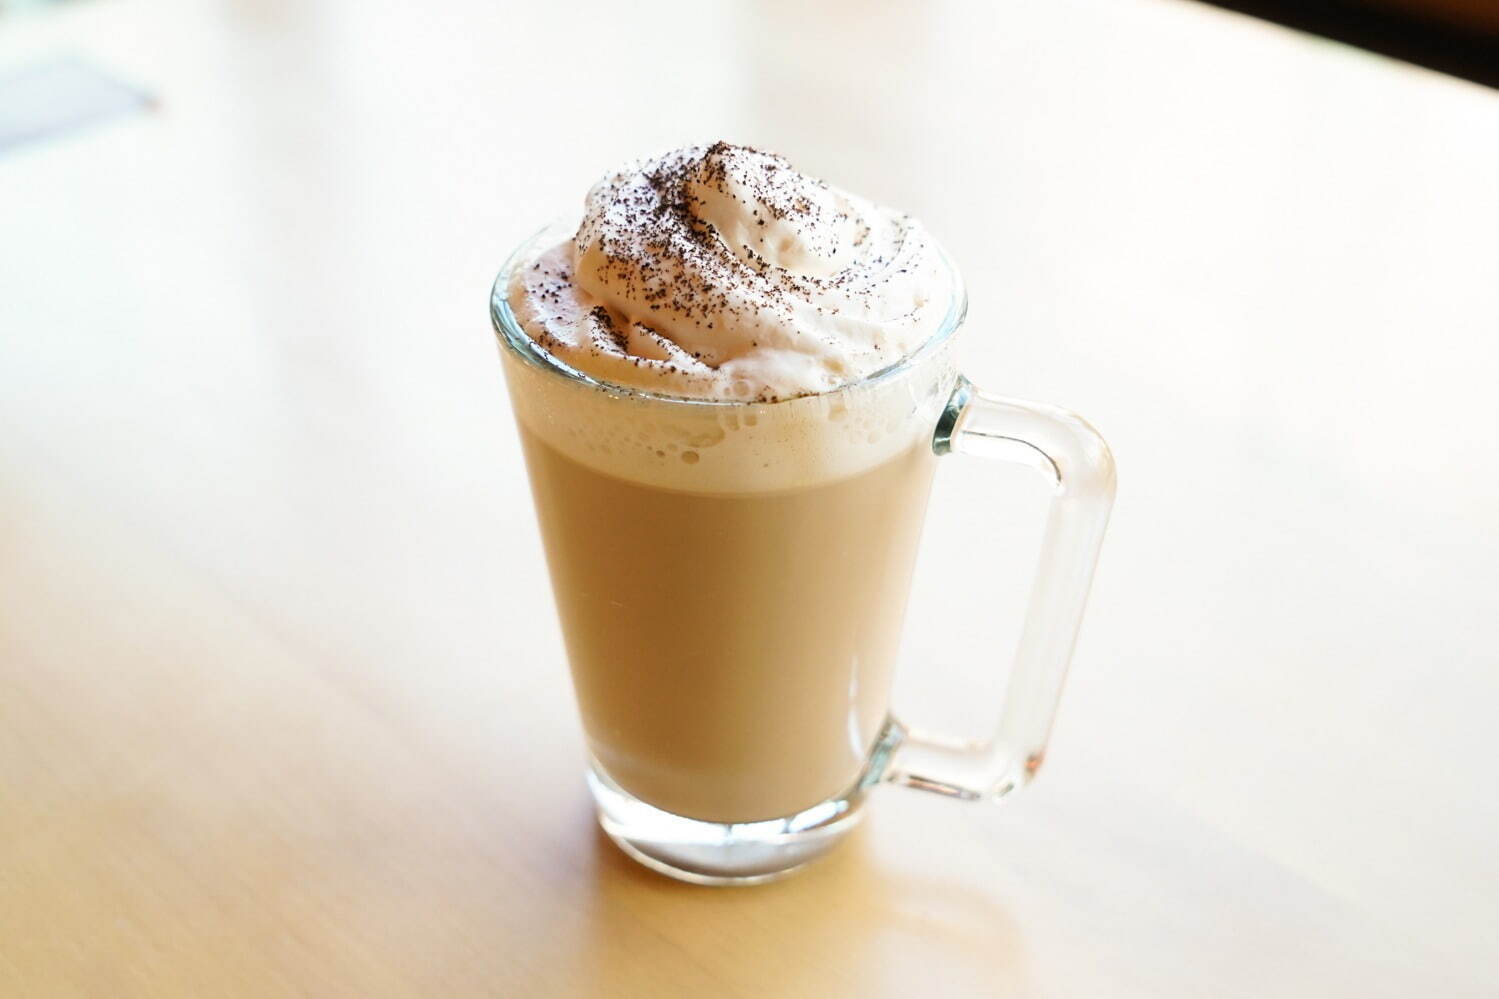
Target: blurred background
(1455, 36)
(267, 559)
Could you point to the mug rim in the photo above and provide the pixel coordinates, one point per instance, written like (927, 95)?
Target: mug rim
(510, 335)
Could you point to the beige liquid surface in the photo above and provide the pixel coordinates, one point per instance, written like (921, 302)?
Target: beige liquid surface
(732, 654)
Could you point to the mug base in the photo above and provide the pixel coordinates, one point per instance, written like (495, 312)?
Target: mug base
(715, 853)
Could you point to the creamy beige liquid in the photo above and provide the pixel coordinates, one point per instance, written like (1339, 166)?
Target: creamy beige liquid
(732, 653)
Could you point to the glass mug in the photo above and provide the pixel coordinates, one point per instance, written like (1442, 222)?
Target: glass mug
(731, 579)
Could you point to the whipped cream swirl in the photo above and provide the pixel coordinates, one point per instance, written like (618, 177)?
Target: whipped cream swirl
(721, 272)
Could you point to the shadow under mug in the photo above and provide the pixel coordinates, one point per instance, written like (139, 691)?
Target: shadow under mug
(731, 579)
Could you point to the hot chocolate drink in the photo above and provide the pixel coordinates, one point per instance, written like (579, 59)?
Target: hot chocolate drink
(731, 484)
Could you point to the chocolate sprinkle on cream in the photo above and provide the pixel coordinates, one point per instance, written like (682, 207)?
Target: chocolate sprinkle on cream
(722, 272)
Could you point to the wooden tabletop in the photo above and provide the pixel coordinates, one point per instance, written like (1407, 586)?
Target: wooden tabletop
(283, 707)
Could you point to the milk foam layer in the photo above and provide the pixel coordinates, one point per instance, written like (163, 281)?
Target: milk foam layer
(720, 272)
(738, 449)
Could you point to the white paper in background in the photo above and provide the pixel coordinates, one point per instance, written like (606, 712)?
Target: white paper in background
(60, 96)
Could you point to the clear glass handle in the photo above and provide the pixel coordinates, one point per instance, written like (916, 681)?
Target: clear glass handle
(1076, 461)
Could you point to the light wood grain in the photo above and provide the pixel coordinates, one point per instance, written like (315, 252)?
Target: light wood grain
(283, 708)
